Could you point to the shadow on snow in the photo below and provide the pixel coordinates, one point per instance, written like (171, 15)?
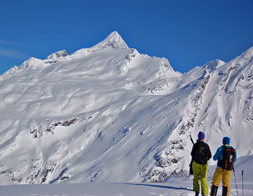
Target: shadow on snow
(160, 186)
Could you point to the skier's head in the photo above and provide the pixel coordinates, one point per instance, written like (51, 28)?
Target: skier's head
(226, 141)
(201, 136)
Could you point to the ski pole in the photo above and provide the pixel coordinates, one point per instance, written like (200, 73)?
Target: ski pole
(191, 172)
(242, 184)
(211, 177)
(235, 181)
(191, 139)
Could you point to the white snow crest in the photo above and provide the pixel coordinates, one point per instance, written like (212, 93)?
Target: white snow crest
(114, 40)
(58, 54)
(111, 114)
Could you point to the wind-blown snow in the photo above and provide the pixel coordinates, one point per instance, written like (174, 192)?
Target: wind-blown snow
(110, 114)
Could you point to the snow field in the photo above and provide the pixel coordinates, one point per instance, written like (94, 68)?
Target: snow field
(110, 114)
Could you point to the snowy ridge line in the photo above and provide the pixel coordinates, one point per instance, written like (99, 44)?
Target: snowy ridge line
(167, 162)
(38, 133)
(37, 130)
(38, 175)
(226, 79)
(113, 41)
(60, 177)
(236, 65)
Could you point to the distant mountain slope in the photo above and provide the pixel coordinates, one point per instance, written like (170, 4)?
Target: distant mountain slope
(219, 104)
(110, 114)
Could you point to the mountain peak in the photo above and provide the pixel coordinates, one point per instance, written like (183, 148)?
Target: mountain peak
(114, 40)
(248, 53)
(58, 54)
(212, 65)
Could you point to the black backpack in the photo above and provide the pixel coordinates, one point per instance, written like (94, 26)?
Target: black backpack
(228, 158)
(202, 154)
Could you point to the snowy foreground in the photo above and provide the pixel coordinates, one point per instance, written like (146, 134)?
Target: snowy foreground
(172, 187)
(179, 188)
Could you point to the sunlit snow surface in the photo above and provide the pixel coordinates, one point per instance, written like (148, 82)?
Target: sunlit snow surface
(175, 188)
(110, 114)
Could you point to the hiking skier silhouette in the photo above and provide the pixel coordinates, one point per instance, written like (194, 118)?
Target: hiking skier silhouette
(226, 156)
(200, 155)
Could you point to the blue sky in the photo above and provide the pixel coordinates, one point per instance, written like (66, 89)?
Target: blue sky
(188, 33)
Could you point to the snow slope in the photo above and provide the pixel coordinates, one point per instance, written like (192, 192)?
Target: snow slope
(111, 114)
(178, 188)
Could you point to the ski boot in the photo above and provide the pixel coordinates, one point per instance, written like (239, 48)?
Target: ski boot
(214, 190)
(225, 191)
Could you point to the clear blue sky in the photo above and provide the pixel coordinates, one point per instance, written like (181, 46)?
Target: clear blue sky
(188, 33)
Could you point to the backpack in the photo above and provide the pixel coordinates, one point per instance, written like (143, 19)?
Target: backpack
(202, 154)
(228, 158)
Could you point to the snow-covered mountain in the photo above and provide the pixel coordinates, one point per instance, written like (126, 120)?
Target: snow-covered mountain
(110, 114)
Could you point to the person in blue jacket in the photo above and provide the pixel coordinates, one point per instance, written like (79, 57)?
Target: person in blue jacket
(222, 171)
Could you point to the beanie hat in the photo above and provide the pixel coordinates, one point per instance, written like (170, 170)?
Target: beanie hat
(226, 140)
(201, 135)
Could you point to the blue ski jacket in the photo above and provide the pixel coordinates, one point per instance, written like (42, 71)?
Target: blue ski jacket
(219, 153)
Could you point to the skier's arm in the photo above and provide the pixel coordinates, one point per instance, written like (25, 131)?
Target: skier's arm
(210, 154)
(193, 150)
(217, 154)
